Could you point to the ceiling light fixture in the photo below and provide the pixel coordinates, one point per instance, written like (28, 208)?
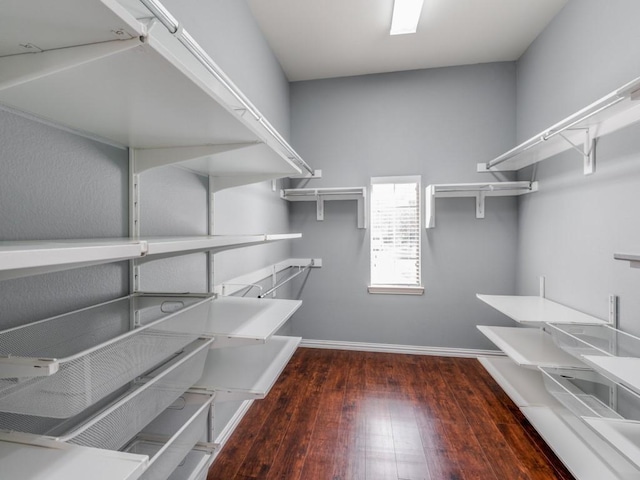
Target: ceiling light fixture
(406, 14)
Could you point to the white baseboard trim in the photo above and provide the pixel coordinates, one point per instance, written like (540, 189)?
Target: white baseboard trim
(406, 349)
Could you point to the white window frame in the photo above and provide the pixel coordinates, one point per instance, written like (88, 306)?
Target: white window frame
(397, 289)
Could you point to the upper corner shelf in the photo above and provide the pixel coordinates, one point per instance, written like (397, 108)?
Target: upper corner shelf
(477, 190)
(128, 73)
(612, 112)
(320, 195)
(537, 310)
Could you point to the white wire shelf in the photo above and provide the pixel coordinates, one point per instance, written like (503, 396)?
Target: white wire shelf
(194, 467)
(235, 321)
(530, 347)
(127, 68)
(320, 195)
(612, 112)
(248, 372)
(479, 191)
(584, 452)
(535, 310)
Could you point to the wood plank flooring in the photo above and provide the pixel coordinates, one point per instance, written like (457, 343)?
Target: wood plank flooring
(342, 415)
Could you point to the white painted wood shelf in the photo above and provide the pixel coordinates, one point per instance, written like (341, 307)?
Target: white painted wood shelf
(536, 310)
(47, 460)
(248, 372)
(320, 195)
(610, 113)
(479, 191)
(113, 72)
(235, 321)
(624, 435)
(530, 347)
(632, 258)
(158, 247)
(19, 259)
(585, 454)
(623, 370)
(24, 258)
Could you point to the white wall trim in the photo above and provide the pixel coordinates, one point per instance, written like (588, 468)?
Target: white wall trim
(406, 349)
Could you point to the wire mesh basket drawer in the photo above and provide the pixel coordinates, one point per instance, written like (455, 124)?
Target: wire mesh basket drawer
(99, 349)
(581, 340)
(191, 413)
(118, 423)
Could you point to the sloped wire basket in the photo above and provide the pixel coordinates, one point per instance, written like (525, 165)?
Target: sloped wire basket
(98, 350)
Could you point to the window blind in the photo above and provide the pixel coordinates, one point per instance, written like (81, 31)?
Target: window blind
(395, 231)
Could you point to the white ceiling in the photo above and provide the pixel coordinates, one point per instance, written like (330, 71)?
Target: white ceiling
(336, 38)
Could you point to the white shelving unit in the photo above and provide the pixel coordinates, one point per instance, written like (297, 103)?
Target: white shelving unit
(237, 321)
(586, 455)
(126, 72)
(612, 112)
(479, 191)
(533, 310)
(320, 195)
(210, 128)
(589, 436)
(530, 347)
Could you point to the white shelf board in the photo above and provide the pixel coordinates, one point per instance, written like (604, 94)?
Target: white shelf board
(537, 310)
(624, 370)
(612, 112)
(235, 321)
(624, 435)
(167, 246)
(478, 190)
(530, 347)
(584, 453)
(632, 258)
(320, 195)
(524, 386)
(67, 462)
(124, 91)
(19, 259)
(247, 372)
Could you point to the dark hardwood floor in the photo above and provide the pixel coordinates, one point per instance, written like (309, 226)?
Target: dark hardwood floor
(341, 415)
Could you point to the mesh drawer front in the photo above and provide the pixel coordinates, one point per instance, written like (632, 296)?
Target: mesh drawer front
(117, 354)
(115, 426)
(166, 458)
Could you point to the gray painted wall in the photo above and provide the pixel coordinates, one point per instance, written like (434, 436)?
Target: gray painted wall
(569, 230)
(437, 123)
(54, 184)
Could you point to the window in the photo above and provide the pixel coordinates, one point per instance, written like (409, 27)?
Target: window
(395, 235)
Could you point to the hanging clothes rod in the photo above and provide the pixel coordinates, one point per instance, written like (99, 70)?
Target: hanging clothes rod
(171, 24)
(286, 280)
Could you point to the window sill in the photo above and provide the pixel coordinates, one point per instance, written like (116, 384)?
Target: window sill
(395, 290)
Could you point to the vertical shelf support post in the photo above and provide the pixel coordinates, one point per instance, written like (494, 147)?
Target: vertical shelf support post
(134, 218)
(480, 200)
